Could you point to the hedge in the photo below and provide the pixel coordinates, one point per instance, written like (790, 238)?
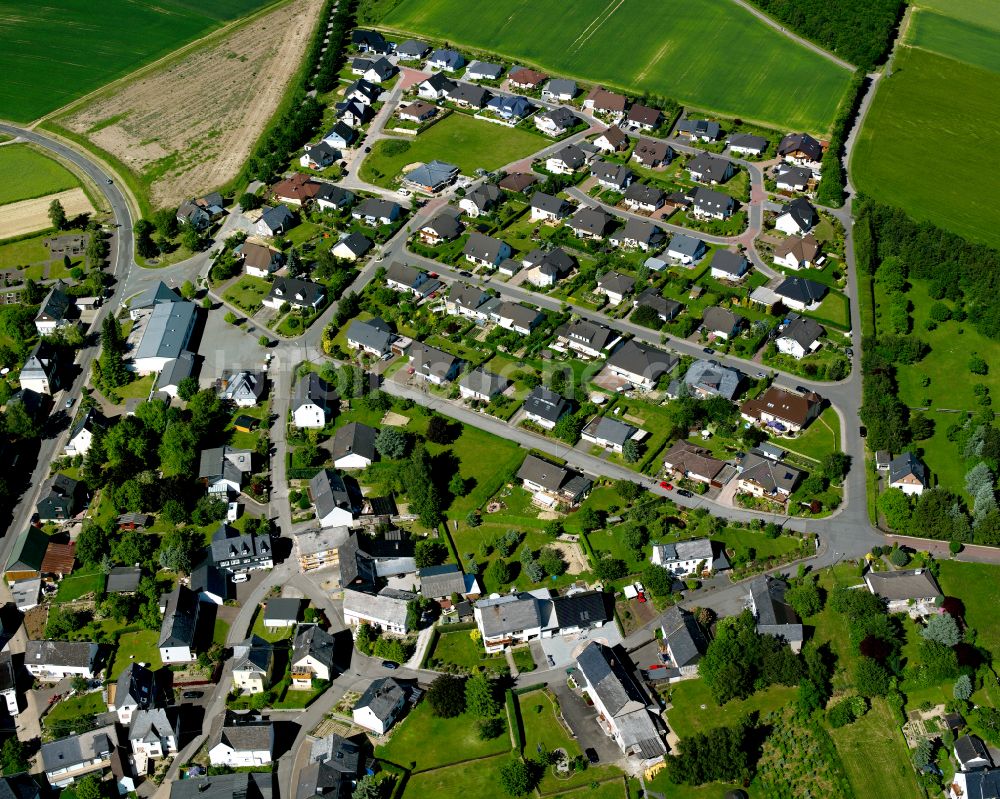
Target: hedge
(514, 717)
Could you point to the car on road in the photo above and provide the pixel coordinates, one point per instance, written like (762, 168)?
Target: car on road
(405, 192)
(761, 375)
(684, 492)
(110, 181)
(389, 664)
(464, 273)
(863, 431)
(433, 275)
(368, 149)
(192, 694)
(591, 754)
(551, 660)
(242, 577)
(666, 486)
(709, 350)
(69, 402)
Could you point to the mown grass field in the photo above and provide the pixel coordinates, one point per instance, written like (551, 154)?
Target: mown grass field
(25, 174)
(978, 586)
(710, 54)
(54, 52)
(941, 101)
(461, 140)
(875, 756)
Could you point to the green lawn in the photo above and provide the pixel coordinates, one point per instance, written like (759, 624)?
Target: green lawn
(687, 716)
(469, 143)
(479, 780)
(137, 389)
(220, 632)
(819, 438)
(874, 755)
(978, 586)
(698, 49)
(143, 645)
(273, 634)
(247, 293)
(422, 741)
(88, 580)
(24, 252)
(88, 704)
(942, 126)
(54, 52)
(459, 649)
(25, 173)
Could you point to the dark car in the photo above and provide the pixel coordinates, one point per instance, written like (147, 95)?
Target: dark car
(709, 350)
(368, 149)
(591, 754)
(388, 664)
(192, 694)
(863, 431)
(684, 492)
(463, 273)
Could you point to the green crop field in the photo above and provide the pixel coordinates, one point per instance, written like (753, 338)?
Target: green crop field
(26, 173)
(707, 53)
(923, 140)
(54, 52)
(955, 38)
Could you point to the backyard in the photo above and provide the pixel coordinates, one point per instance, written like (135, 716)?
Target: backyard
(140, 647)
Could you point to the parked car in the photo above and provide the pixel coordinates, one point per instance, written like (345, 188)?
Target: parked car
(69, 402)
(666, 486)
(242, 577)
(193, 694)
(591, 754)
(389, 664)
(708, 350)
(684, 492)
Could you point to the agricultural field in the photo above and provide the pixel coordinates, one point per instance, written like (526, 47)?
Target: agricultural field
(25, 174)
(779, 81)
(469, 143)
(29, 216)
(952, 46)
(187, 126)
(53, 52)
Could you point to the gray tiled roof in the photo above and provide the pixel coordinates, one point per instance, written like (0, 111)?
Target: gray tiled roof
(71, 751)
(381, 697)
(355, 438)
(242, 784)
(682, 635)
(640, 359)
(507, 613)
(329, 492)
(313, 641)
(180, 618)
(372, 333)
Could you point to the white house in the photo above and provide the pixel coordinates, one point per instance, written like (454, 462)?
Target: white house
(8, 684)
(67, 759)
(797, 217)
(799, 338)
(509, 619)
(912, 591)
(312, 402)
(797, 252)
(82, 433)
(615, 286)
(386, 609)
(180, 610)
(253, 665)
(354, 446)
(334, 507)
(39, 373)
(312, 656)
(482, 385)
(241, 740)
(380, 705)
(51, 661)
(134, 691)
(151, 736)
(908, 473)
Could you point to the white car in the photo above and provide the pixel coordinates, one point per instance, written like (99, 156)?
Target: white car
(405, 192)
(242, 577)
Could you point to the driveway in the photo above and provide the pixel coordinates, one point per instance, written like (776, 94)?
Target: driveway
(583, 721)
(564, 650)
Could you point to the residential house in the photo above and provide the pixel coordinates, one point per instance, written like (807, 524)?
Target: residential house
(710, 379)
(610, 104)
(319, 548)
(782, 410)
(549, 266)
(234, 552)
(587, 338)
(519, 318)
(222, 469)
(797, 252)
(686, 249)
(803, 150)
(253, 665)
(643, 197)
(60, 498)
(567, 161)
(469, 95)
(908, 473)
(666, 309)
(609, 433)
(59, 560)
(440, 582)
(281, 612)
(164, 338)
(721, 322)
(124, 771)
(559, 90)
(693, 462)
(433, 365)
(448, 60)
(653, 153)
(51, 661)
(482, 385)
(354, 446)
(209, 583)
(510, 108)
(376, 211)
(580, 611)
(180, 368)
(354, 113)
(244, 388)
(368, 41)
(335, 764)
(25, 560)
(340, 136)
(798, 217)
(789, 177)
(773, 614)
(545, 207)
(482, 70)
(180, 609)
(67, 759)
(518, 182)
(40, 372)
(481, 200)
(334, 506)
(431, 177)
(711, 204)
(485, 251)
(800, 294)
(552, 485)
(444, 227)
(556, 121)
(799, 337)
(246, 785)
(417, 111)
(297, 190)
(378, 70)
(241, 740)
(19, 786)
(913, 591)
(436, 87)
(510, 619)
(81, 434)
(746, 144)
(313, 403)
(761, 476)
(362, 91)
(642, 117)
(591, 223)
(412, 50)
(694, 558)
(352, 247)
(527, 79)
(135, 690)
(610, 175)
(615, 286)
(699, 129)
(312, 656)
(386, 610)
(544, 407)
(54, 312)
(638, 234)
(683, 640)
(380, 705)
(274, 220)
(623, 710)
(640, 364)
(152, 735)
(259, 260)
(318, 156)
(971, 754)
(402, 277)
(707, 168)
(612, 140)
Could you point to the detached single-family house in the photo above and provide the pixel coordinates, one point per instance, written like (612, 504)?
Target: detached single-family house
(528, 79)
(761, 476)
(666, 309)
(483, 70)
(567, 161)
(707, 168)
(624, 711)
(612, 140)
(402, 277)
(699, 129)
(67, 759)
(800, 294)
(686, 249)
(482, 385)
(334, 507)
(373, 336)
(40, 370)
(241, 740)
(417, 111)
(551, 485)
(643, 197)
(180, 609)
(25, 561)
(556, 121)
(587, 338)
(412, 50)
(721, 322)
(694, 462)
(244, 388)
(378, 70)
(354, 113)
(376, 211)
(259, 260)
(559, 90)
(802, 149)
(436, 87)
(281, 612)
(518, 182)
(640, 364)
(368, 41)
(274, 221)
(432, 364)
(609, 433)
(797, 252)
(298, 190)
(610, 104)
(469, 95)
(683, 640)
(352, 247)
(789, 177)
(510, 619)
(544, 407)
(774, 616)
(912, 591)
(485, 250)
(60, 498)
(253, 665)
(729, 265)
(341, 135)
(312, 656)
(313, 402)
(610, 175)
(431, 177)
(318, 156)
(81, 434)
(971, 754)
(653, 153)
(362, 91)
(711, 204)
(234, 552)
(799, 337)
(448, 60)
(135, 690)
(615, 286)
(638, 234)
(511, 108)
(386, 610)
(798, 217)
(222, 469)
(782, 410)
(519, 318)
(440, 582)
(354, 446)
(481, 200)
(694, 558)
(51, 661)
(642, 117)
(545, 207)
(380, 705)
(710, 379)
(591, 223)
(908, 473)
(152, 735)
(54, 312)
(747, 144)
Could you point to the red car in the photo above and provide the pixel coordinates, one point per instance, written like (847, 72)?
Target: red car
(666, 486)
(641, 596)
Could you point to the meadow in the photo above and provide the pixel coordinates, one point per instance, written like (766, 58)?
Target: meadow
(54, 52)
(714, 55)
(25, 174)
(469, 143)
